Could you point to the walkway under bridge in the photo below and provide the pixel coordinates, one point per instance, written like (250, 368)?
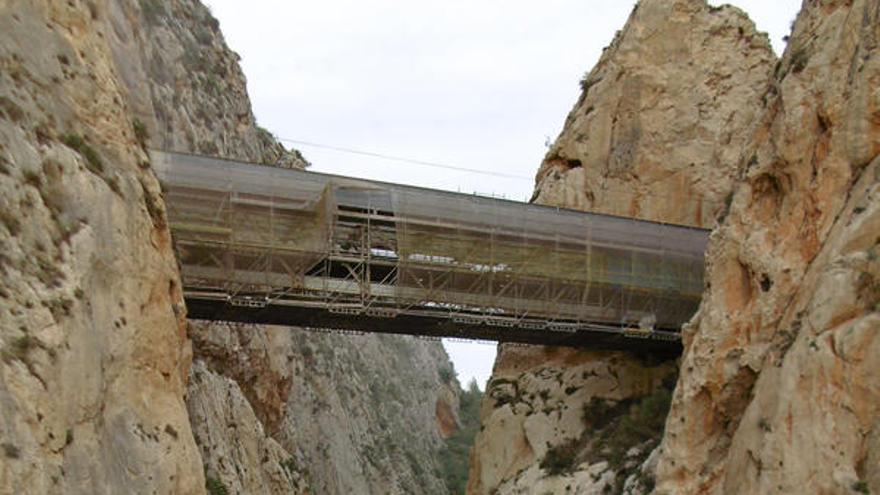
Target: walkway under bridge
(269, 245)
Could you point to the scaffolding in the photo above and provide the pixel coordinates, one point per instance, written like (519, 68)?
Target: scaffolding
(256, 237)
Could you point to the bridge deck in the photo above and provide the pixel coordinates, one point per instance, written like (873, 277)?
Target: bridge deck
(271, 245)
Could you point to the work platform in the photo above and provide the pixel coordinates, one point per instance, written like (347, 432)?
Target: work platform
(264, 244)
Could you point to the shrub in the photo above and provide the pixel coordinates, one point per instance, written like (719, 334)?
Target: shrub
(562, 458)
(645, 421)
(78, 144)
(289, 465)
(215, 486)
(22, 345)
(203, 35)
(114, 185)
(586, 83)
(11, 221)
(153, 11)
(11, 451)
(194, 60)
(140, 133)
(598, 412)
(861, 486)
(49, 273)
(447, 373)
(454, 456)
(12, 111)
(32, 178)
(799, 60)
(59, 307)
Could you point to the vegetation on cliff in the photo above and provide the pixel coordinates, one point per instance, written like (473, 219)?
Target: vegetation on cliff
(622, 433)
(454, 455)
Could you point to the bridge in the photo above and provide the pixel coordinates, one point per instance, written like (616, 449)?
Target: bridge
(262, 244)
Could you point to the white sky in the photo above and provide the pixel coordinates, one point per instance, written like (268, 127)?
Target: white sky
(475, 84)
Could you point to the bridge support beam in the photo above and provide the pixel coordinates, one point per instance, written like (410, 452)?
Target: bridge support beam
(320, 318)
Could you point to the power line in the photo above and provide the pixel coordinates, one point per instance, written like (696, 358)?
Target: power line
(342, 149)
(404, 160)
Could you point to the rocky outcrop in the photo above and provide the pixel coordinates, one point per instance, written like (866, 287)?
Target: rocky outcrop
(347, 415)
(243, 458)
(778, 388)
(94, 364)
(544, 413)
(656, 134)
(184, 84)
(658, 128)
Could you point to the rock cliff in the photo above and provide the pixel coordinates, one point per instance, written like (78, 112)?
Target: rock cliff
(185, 85)
(96, 390)
(353, 414)
(551, 419)
(656, 134)
(280, 410)
(778, 389)
(94, 364)
(658, 128)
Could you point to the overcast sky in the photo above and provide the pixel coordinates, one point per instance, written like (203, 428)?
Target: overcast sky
(474, 84)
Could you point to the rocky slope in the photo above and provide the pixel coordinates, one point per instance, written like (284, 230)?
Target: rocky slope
(778, 389)
(544, 411)
(656, 134)
(658, 128)
(354, 414)
(185, 85)
(95, 366)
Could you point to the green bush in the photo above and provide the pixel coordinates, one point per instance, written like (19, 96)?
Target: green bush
(861, 486)
(153, 11)
(645, 421)
(12, 111)
(78, 144)
(611, 430)
(215, 486)
(455, 455)
(447, 373)
(11, 451)
(140, 133)
(799, 60)
(562, 458)
(289, 465)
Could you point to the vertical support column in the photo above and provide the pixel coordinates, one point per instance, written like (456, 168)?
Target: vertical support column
(330, 250)
(367, 250)
(273, 239)
(588, 271)
(229, 257)
(490, 276)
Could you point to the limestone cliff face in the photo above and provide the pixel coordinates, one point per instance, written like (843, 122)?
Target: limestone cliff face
(93, 338)
(185, 85)
(544, 414)
(658, 128)
(279, 410)
(656, 134)
(92, 332)
(355, 414)
(778, 388)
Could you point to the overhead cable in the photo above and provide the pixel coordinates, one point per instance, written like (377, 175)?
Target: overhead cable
(404, 160)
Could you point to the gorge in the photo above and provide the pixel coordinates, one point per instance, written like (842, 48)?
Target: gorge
(688, 118)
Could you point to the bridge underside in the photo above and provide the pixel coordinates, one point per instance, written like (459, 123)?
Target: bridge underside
(660, 344)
